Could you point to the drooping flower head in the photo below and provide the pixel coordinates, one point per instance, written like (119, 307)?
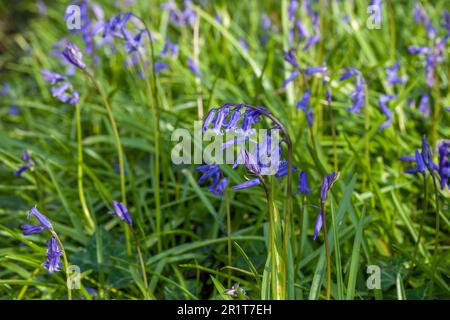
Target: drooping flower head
(327, 184)
(240, 120)
(42, 219)
(54, 253)
(73, 55)
(122, 212)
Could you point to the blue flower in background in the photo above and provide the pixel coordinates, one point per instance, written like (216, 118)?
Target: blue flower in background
(392, 75)
(28, 163)
(383, 100)
(359, 95)
(424, 106)
(192, 65)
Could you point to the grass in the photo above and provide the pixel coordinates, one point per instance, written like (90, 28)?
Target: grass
(187, 243)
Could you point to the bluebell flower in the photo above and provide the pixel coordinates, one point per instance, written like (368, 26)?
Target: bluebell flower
(359, 95)
(313, 70)
(318, 225)
(291, 78)
(52, 77)
(27, 164)
(73, 55)
(29, 229)
(219, 183)
(392, 75)
(428, 156)
(423, 159)
(243, 44)
(444, 164)
(61, 93)
(54, 253)
(418, 50)
(383, 100)
(42, 219)
(420, 165)
(169, 48)
(327, 184)
(192, 65)
(122, 212)
(290, 57)
(283, 169)
(180, 17)
(302, 32)
(421, 17)
(91, 291)
(14, 110)
(303, 104)
(446, 20)
(247, 184)
(309, 117)
(41, 7)
(311, 41)
(160, 66)
(424, 106)
(291, 9)
(303, 184)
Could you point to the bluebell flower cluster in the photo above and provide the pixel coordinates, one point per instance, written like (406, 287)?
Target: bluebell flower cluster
(180, 17)
(298, 25)
(240, 119)
(423, 160)
(433, 54)
(54, 250)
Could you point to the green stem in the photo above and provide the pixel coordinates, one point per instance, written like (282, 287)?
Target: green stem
(118, 146)
(436, 233)
(66, 263)
(327, 251)
(80, 169)
(39, 191)
(227, 208)
(425, 209)
(333, 133)
(272, 249)
(155, 119)
(141, 262)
